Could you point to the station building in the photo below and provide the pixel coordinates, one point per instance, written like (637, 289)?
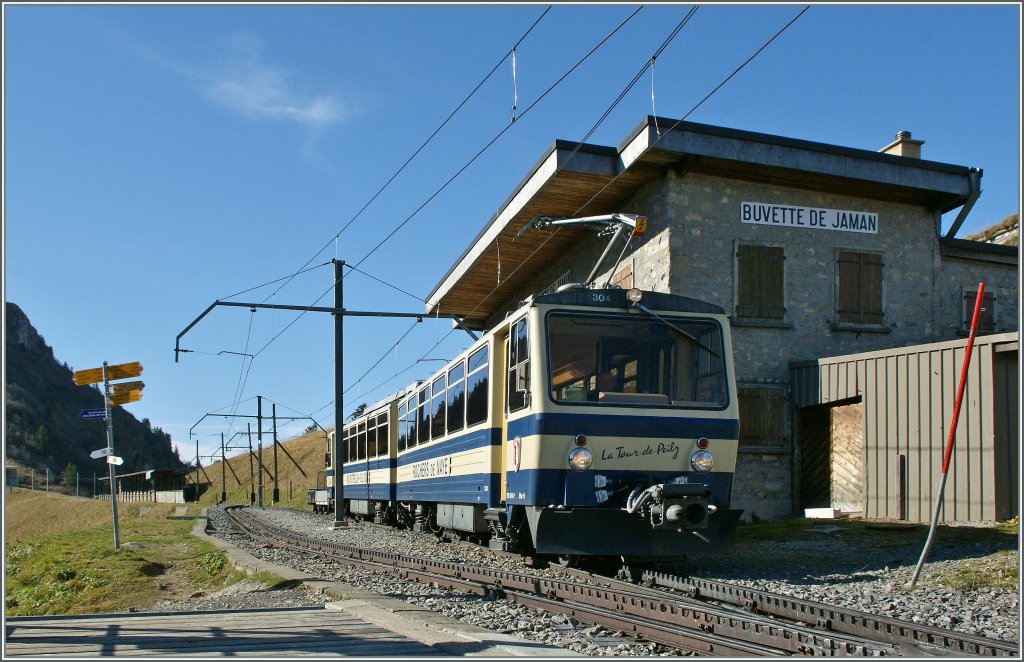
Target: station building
(815, 250)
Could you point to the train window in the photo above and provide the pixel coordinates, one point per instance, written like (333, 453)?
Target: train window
(371, 437)
(424, 414)
(403, 427)
(456, 397)
(350, 443)
(612, 360)
(411, 417)
(518, 366)
(361, 443)
(438, 404)
(477, 387)
(382, 434)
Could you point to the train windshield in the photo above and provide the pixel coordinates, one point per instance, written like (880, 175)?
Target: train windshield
(620, 360)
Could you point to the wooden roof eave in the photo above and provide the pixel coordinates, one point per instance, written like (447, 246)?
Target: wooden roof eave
(570, 177)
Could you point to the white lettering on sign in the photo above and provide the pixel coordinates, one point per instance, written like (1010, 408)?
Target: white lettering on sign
(811, 218)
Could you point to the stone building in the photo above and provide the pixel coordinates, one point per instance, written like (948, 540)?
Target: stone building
(815, 250)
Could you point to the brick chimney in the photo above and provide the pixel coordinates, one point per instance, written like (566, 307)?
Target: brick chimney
(904, 145)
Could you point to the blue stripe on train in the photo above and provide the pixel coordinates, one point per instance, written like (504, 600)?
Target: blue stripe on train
(577, 488)
(371, 491)
(617, 425)
(472, 488)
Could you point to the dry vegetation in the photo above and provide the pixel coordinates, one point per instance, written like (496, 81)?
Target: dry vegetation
(32, 514)
(299, 461)
(59, 554)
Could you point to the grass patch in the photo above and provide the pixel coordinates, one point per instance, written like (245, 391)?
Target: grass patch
(72, 568)
(997, 570)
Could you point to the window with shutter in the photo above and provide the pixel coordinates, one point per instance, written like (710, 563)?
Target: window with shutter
(761, 413)
(860, 288)
(987, 315)
(759, 281)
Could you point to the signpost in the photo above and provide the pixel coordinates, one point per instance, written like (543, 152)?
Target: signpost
(125, 398)
(116, 394)
(96, 375)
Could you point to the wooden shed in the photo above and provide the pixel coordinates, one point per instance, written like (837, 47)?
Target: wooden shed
(156, 485)
(872, 428)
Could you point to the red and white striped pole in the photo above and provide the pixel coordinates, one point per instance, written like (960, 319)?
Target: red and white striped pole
(952, 436)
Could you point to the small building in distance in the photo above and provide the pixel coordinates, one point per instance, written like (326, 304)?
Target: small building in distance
(155, 485)
(815, 250)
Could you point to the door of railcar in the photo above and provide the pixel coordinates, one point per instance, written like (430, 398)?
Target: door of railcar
(498, 404)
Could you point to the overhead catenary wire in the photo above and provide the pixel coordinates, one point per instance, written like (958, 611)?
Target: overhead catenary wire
(618, 99)
(243, 371)
(451, 179)
(668, 40)
(669, 130)
(391, 285)
(676, 124)
(649, 63)
(277, 280)
(422, 146)
(495, 139)
(430, 138)
(697, 105)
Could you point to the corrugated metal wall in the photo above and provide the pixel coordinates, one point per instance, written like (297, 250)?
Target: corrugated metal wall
(908, 396)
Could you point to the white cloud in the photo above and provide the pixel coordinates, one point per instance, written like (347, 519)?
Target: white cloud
(244, 82)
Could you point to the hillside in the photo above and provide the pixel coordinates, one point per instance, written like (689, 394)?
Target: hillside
(300, 463)
(44, 428)
(1006, 232)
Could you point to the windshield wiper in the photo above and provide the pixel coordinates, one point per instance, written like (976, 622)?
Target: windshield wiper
(688, 336)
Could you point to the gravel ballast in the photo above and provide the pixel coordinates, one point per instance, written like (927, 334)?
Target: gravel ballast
(875, 588)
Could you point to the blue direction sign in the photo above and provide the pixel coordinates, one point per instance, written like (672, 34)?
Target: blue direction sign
(93, 413)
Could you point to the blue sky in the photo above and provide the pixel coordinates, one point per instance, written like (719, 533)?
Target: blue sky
(157, 158)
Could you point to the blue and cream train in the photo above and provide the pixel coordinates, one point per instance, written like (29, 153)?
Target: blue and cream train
(588, 423)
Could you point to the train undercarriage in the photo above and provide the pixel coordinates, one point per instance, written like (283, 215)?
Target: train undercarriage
(568, 536)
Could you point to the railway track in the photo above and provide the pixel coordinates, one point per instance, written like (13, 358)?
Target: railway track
(700, 616)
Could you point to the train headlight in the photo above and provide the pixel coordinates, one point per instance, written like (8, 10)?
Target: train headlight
(701, 461)
(634, 295)
(580, 459)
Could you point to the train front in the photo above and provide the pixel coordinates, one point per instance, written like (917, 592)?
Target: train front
(626, 445)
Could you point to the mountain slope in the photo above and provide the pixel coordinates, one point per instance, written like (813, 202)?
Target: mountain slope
(44, 428)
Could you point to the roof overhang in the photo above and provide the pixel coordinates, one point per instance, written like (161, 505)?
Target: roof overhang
(578, 179)
(979, 251)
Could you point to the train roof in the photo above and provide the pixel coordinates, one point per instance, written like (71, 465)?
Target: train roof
(385, 401)
(614, 298)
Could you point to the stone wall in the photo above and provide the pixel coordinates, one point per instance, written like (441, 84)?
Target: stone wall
(957, 274)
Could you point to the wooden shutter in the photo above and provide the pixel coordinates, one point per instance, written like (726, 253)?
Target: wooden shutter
(986, 318)
(771, 282)
(760, 416)
(860, 288)
(759, 281)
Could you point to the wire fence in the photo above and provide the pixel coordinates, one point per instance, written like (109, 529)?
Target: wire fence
(158, 487)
